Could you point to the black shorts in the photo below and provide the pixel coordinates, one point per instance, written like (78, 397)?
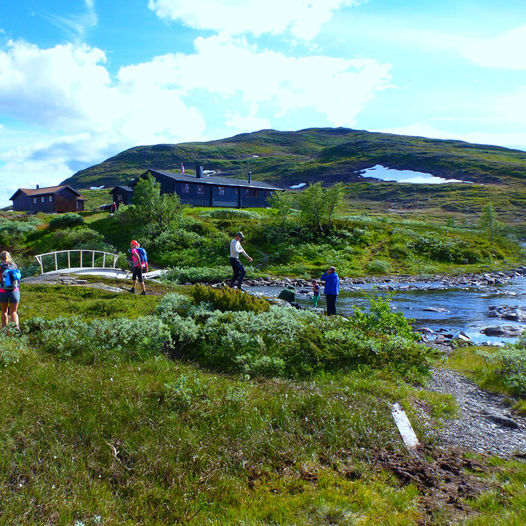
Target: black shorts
(137, 274)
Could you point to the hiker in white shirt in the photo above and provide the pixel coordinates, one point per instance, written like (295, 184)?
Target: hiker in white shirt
(237, 267)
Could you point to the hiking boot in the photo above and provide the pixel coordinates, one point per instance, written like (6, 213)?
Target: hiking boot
(143, 293)
(132, 291)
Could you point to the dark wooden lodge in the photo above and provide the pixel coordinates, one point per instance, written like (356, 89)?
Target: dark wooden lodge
(200, 190)
(50, 199)
(122, 195)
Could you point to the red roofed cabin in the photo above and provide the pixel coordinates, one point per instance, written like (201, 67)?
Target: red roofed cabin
(51, 199)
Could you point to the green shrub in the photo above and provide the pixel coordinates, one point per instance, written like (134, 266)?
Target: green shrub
(100, 340)
(382, 319)
(184, 391)
(379, 266)
(197, 274)
(10, 349)
(66, 221)
(13, 233)
(511, 365)
(227, 299)
(230, 213)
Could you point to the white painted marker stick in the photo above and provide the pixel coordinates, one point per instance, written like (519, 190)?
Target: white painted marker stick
(404, 426)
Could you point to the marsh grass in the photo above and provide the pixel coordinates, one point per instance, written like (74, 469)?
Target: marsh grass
(80, 442)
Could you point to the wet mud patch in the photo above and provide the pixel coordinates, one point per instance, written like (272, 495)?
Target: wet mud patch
(445, 479)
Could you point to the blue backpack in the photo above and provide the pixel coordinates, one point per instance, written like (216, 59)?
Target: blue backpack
(10, 277)
(142, 255)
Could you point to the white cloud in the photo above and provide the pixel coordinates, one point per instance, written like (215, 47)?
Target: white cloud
(76, 25)
(303, 18)
(506, 139)
(505, 51)
(336, 88)
(86, 114)
(247, 123)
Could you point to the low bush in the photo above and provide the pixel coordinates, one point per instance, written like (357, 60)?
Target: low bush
(291, 343)
(10, 348)
(230, 213)
(68, 220)
(227, 299)
(13, 233)
(510, 364)
(379, 266)
(197, 274)
(100, 340)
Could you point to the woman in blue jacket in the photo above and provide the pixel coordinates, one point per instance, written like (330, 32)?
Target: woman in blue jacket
(331, 290)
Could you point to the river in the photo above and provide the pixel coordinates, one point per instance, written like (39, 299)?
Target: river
(432, 305)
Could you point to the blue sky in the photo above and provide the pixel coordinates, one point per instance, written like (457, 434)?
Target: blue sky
(82, 80)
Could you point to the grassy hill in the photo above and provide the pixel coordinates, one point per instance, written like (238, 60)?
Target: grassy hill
(327, 154)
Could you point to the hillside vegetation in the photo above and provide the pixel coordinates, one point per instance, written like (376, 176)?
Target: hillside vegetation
(317, 154)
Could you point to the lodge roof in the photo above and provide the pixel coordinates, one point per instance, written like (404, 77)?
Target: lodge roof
(32, 192)
(121, 187)
(213, 180)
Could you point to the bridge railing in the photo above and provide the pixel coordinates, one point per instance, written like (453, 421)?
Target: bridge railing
(87, 259)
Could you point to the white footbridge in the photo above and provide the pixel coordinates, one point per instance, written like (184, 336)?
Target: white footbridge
(84, 261)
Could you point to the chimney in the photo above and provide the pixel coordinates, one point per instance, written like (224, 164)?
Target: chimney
(249, 177)
(198, 171)
(38, 186)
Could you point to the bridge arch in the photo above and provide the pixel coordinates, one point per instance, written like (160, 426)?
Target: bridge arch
(62, 260)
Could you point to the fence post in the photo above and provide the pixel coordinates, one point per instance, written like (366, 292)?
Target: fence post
(39, 259)
(56, 262)
(81, 258)
(69, 258)
(104, 260)
(93, 259)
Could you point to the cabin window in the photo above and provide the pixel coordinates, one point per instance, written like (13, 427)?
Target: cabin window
(35, 200)
(42, 199)
(200, 189)
(185, 188)
(251, 192)
(78, 204)
(221, 190)
(50, 198)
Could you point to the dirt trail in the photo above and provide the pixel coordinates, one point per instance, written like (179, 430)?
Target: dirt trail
(484, 423)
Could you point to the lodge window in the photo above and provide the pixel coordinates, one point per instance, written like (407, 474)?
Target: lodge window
(251, 192)
(221, 190)
(50, 198)
(200, 189)
(35, 200)
(42, 199)
(185, 188)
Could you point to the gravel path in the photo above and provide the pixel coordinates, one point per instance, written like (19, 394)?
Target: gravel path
(485, 423)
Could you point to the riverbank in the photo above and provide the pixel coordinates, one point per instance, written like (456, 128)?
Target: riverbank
(394, 281)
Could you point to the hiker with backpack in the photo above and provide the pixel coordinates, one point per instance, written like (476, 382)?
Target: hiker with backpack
(9, 290)
(139, 264)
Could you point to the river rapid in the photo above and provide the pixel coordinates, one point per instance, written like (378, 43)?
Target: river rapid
(439, 308)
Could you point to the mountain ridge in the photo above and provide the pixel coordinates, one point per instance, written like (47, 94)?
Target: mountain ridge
(314, 154)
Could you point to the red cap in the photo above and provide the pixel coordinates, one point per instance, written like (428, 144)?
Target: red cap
(134, 243)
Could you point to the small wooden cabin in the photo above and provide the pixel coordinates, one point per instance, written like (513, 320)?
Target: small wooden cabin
(200, 190)
(62, 198)
(122, 195)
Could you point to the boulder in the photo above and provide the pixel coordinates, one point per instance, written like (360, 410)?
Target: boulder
(504, 331)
